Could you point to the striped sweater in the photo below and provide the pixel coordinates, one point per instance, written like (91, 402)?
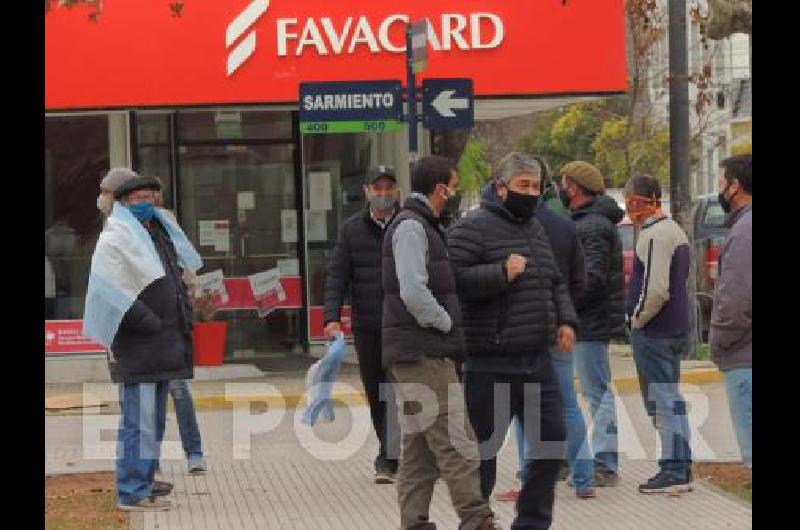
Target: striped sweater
(658, 298)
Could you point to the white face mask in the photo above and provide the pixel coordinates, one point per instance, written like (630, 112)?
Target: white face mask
(104, 204)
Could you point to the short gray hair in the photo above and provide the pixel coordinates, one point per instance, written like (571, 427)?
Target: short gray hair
(515, 163)
(115, 177)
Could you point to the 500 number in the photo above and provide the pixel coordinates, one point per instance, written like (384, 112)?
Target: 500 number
(374, 126)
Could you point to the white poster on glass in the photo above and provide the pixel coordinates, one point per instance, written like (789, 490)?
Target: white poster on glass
(222, 236)
(317, 225)
(289, 226)
(246, 200)
(267, 290)
(213, 282)
(205, 233)
(289, 267)
(319, 190)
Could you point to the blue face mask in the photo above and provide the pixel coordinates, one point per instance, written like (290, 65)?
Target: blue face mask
(143, 211)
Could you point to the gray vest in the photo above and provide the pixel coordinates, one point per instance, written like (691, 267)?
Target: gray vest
(403, 340)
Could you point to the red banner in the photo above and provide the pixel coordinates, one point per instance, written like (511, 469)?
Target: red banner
(137, 53)
(240, 295)
(317, 327)
(64, 336)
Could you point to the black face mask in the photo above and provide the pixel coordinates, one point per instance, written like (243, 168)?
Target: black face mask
(451, 209)
(562, 194)
(520, 205)
(723, 202)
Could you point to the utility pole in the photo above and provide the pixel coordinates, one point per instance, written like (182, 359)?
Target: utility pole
(679, 141)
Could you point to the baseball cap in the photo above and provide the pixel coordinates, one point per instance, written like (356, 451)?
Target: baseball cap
(379, 171)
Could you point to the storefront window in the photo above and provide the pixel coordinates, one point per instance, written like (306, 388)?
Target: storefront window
(234, 125)
(334, 167)
(236, 202)
(78, 152)
(154, 151)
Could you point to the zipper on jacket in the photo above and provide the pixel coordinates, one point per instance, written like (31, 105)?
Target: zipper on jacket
(503, 316)
(501, 319)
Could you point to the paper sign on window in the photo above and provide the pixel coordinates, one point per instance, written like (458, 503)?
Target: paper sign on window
(267, 291)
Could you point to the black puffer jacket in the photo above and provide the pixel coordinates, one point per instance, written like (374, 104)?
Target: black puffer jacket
(507, 326)
(355, 269)
(154, 340)
(601, 309)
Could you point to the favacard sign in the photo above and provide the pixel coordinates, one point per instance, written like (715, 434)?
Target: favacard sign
(138, 54)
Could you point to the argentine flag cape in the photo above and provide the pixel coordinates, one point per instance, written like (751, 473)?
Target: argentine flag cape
(125, 261)
(320, 380)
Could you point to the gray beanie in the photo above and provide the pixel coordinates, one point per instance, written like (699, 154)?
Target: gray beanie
(115, 177)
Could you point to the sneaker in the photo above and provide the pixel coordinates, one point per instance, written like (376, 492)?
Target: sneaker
(148, 504)
(586, 494)
(160, 489)
(662, 483)
(384, 476)
(508, 496)
(605, 479)
(197, 468)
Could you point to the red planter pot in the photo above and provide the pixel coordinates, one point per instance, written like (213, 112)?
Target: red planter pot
(208, 339)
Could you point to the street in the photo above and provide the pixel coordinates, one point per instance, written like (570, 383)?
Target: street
(282, 485)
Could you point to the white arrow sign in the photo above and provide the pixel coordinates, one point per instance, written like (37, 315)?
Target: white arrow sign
(444, 103)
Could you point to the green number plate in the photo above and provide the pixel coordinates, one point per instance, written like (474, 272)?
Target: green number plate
(334, 127)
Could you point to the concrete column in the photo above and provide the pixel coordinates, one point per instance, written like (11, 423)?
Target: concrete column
(118, 145)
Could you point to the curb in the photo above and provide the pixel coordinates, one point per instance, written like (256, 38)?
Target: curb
(622, 385)
(221, 402)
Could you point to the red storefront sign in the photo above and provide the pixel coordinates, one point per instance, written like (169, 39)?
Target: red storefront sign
(258, 51)
(64, 336)
(316, 322)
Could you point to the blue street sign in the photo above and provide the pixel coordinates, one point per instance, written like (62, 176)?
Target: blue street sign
(448, 104)
(351, 101)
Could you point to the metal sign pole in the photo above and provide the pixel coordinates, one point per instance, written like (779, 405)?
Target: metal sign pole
(413, 150)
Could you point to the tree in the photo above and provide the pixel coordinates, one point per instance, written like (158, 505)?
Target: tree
(600, 132)
(473, 169)
(563, 135)
(575, 130)
(648, 155)
(722, 18)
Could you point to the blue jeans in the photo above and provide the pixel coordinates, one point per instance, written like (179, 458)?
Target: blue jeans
(594, 372)
(141, 429)
(739, 385)
(581, 464)
(187, 421)
(658, 364)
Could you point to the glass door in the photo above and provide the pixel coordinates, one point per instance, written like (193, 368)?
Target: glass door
(237, 203)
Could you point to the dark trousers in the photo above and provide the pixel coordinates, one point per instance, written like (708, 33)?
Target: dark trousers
(492, 400)
(384, 419)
